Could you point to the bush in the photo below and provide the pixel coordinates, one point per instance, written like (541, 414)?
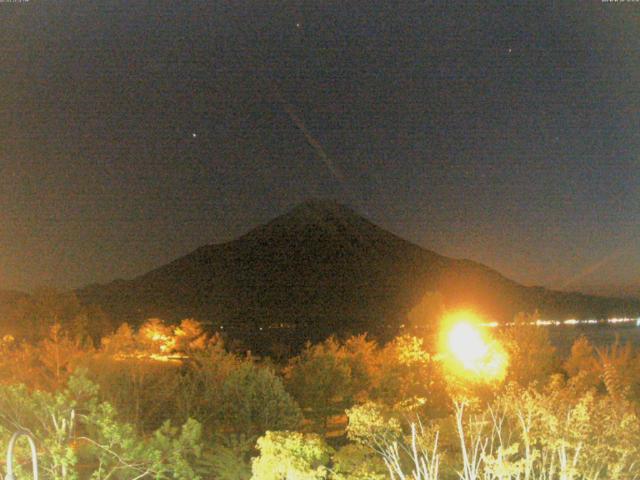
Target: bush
(254, 400)
(292, 455)
(80, 437)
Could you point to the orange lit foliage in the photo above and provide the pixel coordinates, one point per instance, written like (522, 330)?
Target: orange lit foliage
(178, 372)
(582, 365)
(329, 377)
(31, 317)
(620, 371)
(162, 372)
(159, 372)
(320, 379)
(614, 370)
(46, 365)
(59, 356)
(139, 371)
(407, 372)
(156, 341)
(363, 357)
(531, 355)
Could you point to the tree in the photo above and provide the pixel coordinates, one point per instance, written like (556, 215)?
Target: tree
(531, 354)
(59, 355)
(363, 358)
(31, 317)
(190, 337)
(582, 365)
(357, 462)
(373, 424)
(591, 435)
(619, 368)
(320, 380)
(199, 393)
(161, 371)
(378, 428)
(254, 400)
(80, 437)
(230, 458)
(408, 373)
(136, 376)
(291, 455)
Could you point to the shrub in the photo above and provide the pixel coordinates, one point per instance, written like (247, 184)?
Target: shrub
(291, 455)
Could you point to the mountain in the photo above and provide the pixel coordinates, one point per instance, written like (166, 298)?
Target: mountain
(322, 269)
(9, 298)
(620, 291)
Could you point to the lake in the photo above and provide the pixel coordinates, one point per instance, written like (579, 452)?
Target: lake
(563, 336)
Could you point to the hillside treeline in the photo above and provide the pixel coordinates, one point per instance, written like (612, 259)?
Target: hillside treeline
(174, 402)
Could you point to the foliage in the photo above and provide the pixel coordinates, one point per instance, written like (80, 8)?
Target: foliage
(31, 317)
(320, 380)
(198, 392)
(531, 355)
(254, 400)
(230, 457)
(619, 368)
(362, 355)
(171, 402)
(373, 425)
(161, 371)
(581, 357)
(291, 455)
(585, 434)
(407, 373)
(45, 365)
(614, 370)
(357, 462)
(554, 433)
(142, 390)
(80, 437)
(380, 429)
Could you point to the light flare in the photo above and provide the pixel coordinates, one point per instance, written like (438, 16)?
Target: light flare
(469, 350)
(466, 344)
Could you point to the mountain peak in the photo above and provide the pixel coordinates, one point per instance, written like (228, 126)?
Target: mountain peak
(322, 207)
(317, 213)
(323, 269)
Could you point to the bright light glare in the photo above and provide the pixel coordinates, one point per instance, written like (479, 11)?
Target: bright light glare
(469, 350)
(467, 345)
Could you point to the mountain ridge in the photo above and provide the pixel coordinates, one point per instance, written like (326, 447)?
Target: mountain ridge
(323, 269)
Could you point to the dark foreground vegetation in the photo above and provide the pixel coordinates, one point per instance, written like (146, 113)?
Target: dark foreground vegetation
(174, 402)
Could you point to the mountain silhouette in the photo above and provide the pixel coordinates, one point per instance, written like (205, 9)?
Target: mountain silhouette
(322, 269)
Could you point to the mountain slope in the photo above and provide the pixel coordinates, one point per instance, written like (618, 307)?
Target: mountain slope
(323, 269)
(8, 298)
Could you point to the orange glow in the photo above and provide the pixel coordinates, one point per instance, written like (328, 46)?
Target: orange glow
(159, 336)
(154, 341)
(467, 349)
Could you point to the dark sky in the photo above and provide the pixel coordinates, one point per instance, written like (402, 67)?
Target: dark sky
(508, 135)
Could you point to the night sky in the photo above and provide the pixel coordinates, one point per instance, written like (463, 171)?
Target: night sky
(134, 132)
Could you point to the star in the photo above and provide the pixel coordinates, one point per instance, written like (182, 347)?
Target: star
(194, 134)
(298, 25)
